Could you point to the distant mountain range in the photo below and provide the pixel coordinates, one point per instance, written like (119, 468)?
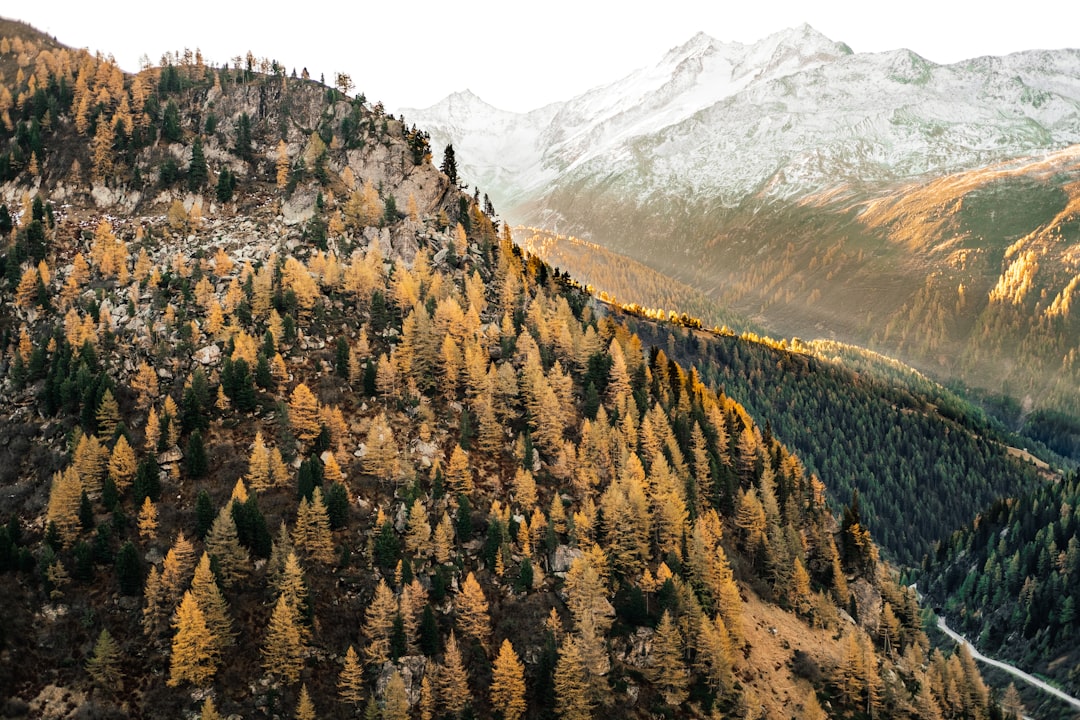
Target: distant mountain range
(781, 178)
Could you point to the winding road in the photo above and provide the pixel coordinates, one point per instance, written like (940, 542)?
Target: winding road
(1006, 666)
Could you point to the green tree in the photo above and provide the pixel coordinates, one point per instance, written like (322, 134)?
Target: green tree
(198, 173)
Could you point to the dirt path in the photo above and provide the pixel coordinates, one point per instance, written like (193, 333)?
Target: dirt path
(1006, 666)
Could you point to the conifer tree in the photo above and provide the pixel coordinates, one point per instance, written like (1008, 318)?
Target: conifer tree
(573, 701)
(453, 684)
(208, 711)
(154, 612)
(508, 683)
(667, 670)
(351, 680)
(418, 536)
(378, 624)
(472, 610)
(122, 464)
(258, 475)
(194, 650)
(104, 664)
(283, 648)
(458, 473)
(223, 544)
(381, 456)
(304, 414)
(282, 165)
(395, 700)
(312, 532)
(148, 522)
(107, 415)
(305, 708)
(212, 604)
(64, 498)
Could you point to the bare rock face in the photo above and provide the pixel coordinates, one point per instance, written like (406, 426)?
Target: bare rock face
(564, 557)
(56, 703)
(636, 650)
(209, 355)
(411, 668)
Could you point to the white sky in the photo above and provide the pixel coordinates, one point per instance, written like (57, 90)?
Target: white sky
(520, 56)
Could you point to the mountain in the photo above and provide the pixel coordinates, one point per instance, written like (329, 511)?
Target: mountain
(778, 178)
(289, 428)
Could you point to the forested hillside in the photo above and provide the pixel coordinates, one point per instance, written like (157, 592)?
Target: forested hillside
(921, 460)
(291, 429)
(1012, 580)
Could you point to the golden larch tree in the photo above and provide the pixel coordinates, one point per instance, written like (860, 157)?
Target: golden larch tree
(351, 679)
(395, 699)
(194, 651)
(283, 648)
(304, 414)
(378, 624)
(104, 664)
(122, 465)
(452, 681)
(472, 610)
(667, 671)
(223, 544)
(148, 522)
(212, 603)
(508, 683)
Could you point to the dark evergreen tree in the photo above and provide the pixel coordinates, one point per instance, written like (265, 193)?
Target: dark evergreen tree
(129, 570)
(449, 164)
(195, 461)
(198, 173)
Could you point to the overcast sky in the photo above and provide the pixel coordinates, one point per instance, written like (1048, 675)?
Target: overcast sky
(519, 56)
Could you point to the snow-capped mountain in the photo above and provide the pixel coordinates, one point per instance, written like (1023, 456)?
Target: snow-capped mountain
(791, 114)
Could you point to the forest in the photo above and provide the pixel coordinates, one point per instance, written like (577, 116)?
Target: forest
(298, 431)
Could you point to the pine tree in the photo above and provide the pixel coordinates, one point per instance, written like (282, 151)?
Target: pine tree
(258, 475)
(223, 544)
(395, 700)
(107, 415)
(212, 604)
(351, 680)
(304, 414)
(452, 681)
(667, 670)
(381, 456)
(449, 165)
(378, 624)
(198, 173)
(472, 610)
(305, 708)
(312, 532)
(122, 465)
(573, 701)
(194, 655)
(283, 648)
(104, 664)
(508, 683)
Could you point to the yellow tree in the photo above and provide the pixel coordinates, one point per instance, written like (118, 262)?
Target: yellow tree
(381, 451)
(148, 522)
(283, 648)
(395, 699)
(122, 464)
(304, 414)
(458, 473)
(305, 708)
(145, 384)
(194, 650)
(379, 623)
(418, 537)
(282, 164)
(351, 680)
(212, 603)
(312, 532)
(64, 498)
(453, 683)
(667, 671)
(472, 610)
(508, 683)
(573, 701)
(223, 544)
(258, 464)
